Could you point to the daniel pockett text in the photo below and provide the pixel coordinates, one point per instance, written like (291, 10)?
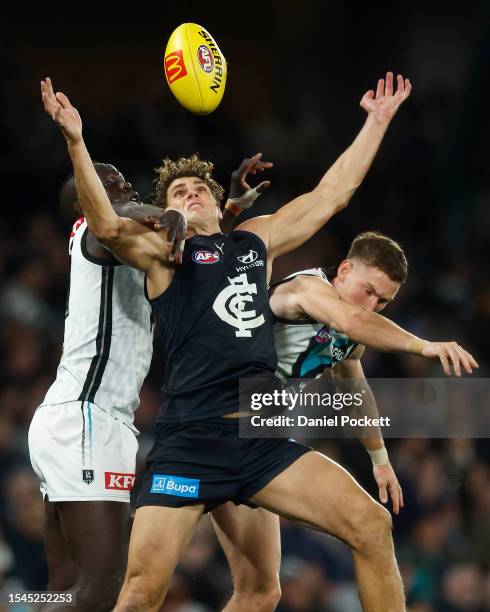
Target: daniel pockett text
(392, 407)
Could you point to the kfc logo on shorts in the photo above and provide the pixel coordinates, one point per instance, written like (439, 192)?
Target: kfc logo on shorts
(119, 482)
(205, 58)
(205, 257)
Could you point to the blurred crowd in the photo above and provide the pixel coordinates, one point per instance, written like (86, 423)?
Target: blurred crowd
(429, 189)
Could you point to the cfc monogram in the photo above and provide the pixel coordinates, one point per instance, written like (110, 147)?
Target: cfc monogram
(230, 305)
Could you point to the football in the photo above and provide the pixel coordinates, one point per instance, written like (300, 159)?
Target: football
(195, 68)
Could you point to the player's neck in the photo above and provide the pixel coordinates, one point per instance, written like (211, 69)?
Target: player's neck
(206, 228)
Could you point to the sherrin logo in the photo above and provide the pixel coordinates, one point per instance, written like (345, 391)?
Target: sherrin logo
(174, 66)
(205, 58)
(205, 257)
(118, 481)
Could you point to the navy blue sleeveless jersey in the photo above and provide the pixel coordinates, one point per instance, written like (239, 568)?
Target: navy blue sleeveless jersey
(214, 326)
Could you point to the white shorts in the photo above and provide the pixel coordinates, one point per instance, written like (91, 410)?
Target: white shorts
(81, 453)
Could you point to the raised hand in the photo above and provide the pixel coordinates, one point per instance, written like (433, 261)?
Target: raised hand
(252, 165)
(388, 485)
(450, 354)
(174, 222)
(61, 112)
(383, 105)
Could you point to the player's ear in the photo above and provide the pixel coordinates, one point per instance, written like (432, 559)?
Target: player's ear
(344, 269)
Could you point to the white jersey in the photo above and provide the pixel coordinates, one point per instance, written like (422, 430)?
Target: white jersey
(306, 348)
(108, 337)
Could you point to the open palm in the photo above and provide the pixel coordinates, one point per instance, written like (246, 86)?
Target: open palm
(61, 111)
(384, 104)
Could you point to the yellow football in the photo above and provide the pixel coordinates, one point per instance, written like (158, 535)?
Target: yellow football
(195, 68)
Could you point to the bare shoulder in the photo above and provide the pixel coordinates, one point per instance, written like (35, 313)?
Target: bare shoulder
(259, 226)
(303, 283)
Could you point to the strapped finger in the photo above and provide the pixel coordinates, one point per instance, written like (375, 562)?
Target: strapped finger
(261, 187)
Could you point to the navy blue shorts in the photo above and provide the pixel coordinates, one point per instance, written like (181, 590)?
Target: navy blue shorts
(207, 463)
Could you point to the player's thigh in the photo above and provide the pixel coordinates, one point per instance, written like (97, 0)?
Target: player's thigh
(159, 536)
(60, 563)
(318, 492)
(251, 541)
(97, 536)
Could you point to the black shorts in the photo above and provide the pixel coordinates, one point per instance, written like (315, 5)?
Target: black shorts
(207, 463)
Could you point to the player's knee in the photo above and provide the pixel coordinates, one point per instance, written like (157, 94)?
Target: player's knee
(259, 595)
(140, 594)
(98, 594)
(372, 530)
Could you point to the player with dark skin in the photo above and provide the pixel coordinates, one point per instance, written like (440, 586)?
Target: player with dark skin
(300, 492)
(95, 573)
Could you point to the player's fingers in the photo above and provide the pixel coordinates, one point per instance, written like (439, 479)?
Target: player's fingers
(401, 495)
(63, 100)
(408, 87)
(395, 496)
(389, 84)
(380, 89)
(261, 166)
(383, 494)
(400, 85)
(261, 187)
(455, 360)
(472, 360)
(464, 358)
(445, 363)
(49, 86)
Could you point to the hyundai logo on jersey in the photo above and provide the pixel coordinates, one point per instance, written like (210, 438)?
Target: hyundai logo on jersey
(174, 485)
(205, 257)
(249, 257)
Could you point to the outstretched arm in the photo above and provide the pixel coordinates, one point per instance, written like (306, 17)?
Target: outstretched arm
(130, 241)
(311, 297)
(297, 221)
(349, 376)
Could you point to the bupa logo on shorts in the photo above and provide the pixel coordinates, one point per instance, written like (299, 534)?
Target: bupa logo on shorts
(174, 485)
(323, 335)
(205, 257)
(250, 257)
(118, 481)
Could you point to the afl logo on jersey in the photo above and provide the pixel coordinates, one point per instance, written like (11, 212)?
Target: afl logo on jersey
(250, 257)
(205, 257)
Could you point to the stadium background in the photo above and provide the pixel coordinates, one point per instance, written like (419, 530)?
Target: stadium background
(296, 74)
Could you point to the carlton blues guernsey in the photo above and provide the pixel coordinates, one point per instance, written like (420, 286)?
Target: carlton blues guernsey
(108, 337)
(306, 348)
(214, 326)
